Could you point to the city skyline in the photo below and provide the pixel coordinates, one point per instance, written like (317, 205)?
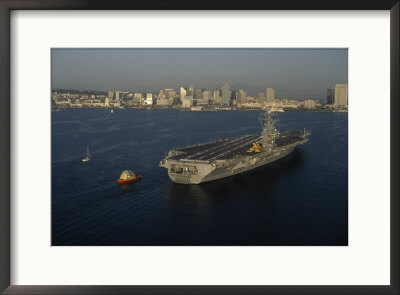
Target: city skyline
(292, 72)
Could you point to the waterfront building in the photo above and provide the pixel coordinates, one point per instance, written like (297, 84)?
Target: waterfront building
(163, 102)
(187, 101)
(110, 95)
(309, 104)
(117, 94)
(107, 102)
(270, 94)
(149, 98)
(341, 94)
(329, 96)
(261, 98)
(226, 95)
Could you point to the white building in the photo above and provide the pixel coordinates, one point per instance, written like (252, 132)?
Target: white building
(107, 102)
(182, 93)
(341, 98)
(149, 98)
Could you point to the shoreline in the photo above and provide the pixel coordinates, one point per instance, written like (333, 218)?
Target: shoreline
(203, 110)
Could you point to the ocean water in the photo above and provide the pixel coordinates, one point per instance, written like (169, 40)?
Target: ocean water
(299, 200)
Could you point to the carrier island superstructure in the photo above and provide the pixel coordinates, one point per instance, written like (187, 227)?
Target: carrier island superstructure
(222, 158)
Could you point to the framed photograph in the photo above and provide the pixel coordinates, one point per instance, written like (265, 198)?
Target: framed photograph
(217, 148)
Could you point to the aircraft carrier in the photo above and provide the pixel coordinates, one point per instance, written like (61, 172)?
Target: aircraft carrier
(222, 158)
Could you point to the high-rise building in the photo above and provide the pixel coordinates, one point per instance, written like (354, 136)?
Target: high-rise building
(233, 94)
(110, 95)
(162, 100)
(149, 98)
(217, 95)
(329, 96)
(183, 93)
(206, 96)
(117, 95)
(170, 93)
(241, 97)
(199, 93)
(190, 91)
(226, 94)
(341, 98)
(261, 98)
(270, 94)
(161, 94)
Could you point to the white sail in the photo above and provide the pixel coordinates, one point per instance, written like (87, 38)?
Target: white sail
(87, 158)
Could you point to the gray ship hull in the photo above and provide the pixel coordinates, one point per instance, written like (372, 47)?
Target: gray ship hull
(225, 169)
(220, 159)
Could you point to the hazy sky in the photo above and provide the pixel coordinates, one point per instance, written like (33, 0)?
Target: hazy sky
(292, 72)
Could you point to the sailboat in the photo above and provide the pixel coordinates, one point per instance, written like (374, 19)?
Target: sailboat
(112, 111)
(87, 158)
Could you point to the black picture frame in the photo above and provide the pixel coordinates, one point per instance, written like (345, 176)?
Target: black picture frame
(8, 5)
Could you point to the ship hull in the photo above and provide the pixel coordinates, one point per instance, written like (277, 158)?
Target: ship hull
(124, 181)
(224, 158)
(227, 171)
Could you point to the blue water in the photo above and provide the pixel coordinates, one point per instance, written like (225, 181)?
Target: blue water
(300, 200)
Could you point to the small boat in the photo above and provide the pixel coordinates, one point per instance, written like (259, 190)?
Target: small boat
(128, 176)
(112, 111)
(87, 158)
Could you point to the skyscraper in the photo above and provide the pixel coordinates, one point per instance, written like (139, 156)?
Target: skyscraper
(199, 93)
(329, 96)
(190, 91)
(170, 93)
(161, 94)
(182, 93)
(270, 94)
(206, 96)
(341, 98)
(226, 95)
(110, 95)
(241, 97)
